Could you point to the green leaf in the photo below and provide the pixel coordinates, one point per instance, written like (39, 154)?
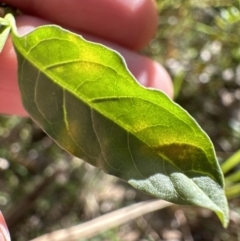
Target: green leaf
(4, 32)
(83, 96)
(231, 162)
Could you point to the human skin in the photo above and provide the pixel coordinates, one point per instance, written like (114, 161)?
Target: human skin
(4, 233)
(126, 26)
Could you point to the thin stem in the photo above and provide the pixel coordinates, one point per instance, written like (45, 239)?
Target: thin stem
(231, 162)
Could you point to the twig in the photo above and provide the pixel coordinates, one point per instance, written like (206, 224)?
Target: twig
(181, 218)
(146, 228)
(105, 222)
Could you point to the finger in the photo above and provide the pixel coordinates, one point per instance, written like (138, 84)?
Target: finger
(4, 233)
(145, 70)
(130, 23)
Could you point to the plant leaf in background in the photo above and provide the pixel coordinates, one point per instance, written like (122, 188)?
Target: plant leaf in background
(4, 32)
(84, 97)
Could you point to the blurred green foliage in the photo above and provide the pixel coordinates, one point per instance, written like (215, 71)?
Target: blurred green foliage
(42, 188)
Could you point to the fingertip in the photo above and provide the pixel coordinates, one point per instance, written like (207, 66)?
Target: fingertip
(153, 75)
(162, 80)
(129, 23)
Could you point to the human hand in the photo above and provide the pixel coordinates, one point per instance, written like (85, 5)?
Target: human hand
(123, 25)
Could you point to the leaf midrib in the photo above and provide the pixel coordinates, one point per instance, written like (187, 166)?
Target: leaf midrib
(44, 71)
